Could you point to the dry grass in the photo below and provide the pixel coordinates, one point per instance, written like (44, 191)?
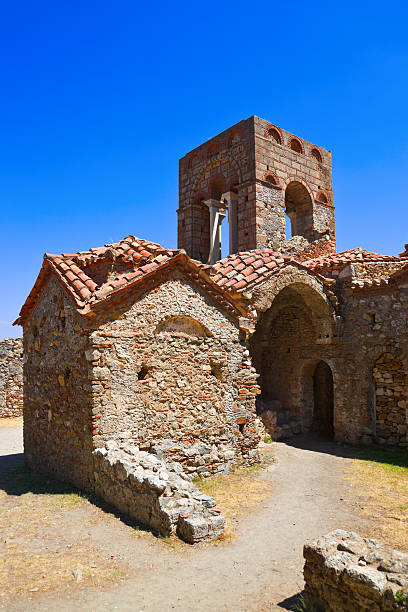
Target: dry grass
(43, 538)
(238, 493)
(382, 478)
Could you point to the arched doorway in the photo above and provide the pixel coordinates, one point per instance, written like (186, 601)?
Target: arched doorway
(291, 338)
(323, 400)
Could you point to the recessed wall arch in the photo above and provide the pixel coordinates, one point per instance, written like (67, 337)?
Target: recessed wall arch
(216, 162)
(273, 133)
(312, 291)
(322, 198)
(296, 145)
(315, 153)
(183, 324)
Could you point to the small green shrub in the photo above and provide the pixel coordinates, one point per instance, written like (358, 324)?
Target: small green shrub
(268, 440)
(401, 597)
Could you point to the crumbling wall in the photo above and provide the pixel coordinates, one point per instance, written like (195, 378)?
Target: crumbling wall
(11, 377)
(170, 373)
(344, 572)
(156, 494)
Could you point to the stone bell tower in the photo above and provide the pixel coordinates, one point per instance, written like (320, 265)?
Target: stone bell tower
(256, 177)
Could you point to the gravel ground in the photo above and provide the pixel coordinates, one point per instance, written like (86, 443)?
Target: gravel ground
(261, 569)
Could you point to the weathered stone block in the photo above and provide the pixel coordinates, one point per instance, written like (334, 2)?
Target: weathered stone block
(344, 572)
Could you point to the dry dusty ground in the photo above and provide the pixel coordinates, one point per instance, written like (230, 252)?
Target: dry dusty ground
(48, 531)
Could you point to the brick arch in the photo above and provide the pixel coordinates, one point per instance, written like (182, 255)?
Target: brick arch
(272, 131)
(294, 178)
(212, 164)
(293, 312)
(322, 197)
(316, 153)
(312, 290)
(270, 173)
(294, 141)
(182, 324)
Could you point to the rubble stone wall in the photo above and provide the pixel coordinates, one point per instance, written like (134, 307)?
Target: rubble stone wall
(391, 400)
(344, 572)
(169, 372)
(374, 324)
(57, 389)
(11, 377)
(154, 493)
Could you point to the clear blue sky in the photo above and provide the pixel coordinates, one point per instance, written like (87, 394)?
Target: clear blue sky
(100, 99)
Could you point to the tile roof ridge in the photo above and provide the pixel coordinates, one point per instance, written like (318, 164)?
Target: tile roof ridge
(96, 251)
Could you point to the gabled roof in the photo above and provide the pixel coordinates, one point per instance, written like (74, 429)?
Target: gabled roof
(343, 258)
(91, 278)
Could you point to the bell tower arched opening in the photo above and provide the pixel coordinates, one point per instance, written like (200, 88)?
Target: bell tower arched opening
(299, 209)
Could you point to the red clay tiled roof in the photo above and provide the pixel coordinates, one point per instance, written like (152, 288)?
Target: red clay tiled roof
(243, 271)
(337, 260)
(94, 276)
(132, 258)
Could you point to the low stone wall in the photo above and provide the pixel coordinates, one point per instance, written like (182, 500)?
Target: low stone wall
(156, 494)
(11, 377)
(347, 573)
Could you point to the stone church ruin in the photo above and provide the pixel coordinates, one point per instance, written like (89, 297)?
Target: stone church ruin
(146, 366)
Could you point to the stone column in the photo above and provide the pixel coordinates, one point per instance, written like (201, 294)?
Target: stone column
(231, 202)
(217, 214)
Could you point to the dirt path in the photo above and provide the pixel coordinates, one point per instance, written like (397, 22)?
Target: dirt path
(258, 570)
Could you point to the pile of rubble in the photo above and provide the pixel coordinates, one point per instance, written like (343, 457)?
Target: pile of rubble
(155, 493)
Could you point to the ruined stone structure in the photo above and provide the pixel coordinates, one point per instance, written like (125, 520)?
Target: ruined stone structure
(155, 493)
(175, 351)
(345, 572)
(11, 377)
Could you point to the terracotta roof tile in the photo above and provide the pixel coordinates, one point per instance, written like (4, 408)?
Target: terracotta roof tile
(242, 271)
(344, 258)
(91, 277)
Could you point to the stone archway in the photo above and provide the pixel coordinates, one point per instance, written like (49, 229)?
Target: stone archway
(296, 330)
